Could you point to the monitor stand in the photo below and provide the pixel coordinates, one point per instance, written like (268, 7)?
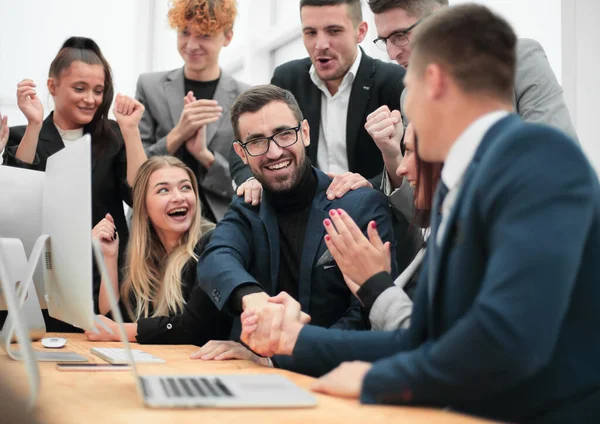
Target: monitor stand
(12, 254)
(20, 326)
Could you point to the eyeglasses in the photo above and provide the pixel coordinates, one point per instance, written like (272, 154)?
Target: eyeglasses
(398, 38)
(284, 138)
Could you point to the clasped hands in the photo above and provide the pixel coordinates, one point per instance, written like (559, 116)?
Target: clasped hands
(274, 330)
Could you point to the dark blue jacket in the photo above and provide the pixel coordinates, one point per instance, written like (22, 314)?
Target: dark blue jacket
(506, 322)
(245, 248)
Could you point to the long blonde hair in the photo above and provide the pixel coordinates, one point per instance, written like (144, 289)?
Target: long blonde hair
(153, 277)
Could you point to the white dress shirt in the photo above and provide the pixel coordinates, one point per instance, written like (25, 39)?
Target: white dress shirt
(458, 160)
(332, 155)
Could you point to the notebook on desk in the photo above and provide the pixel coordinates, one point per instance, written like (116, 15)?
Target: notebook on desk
(218, 391)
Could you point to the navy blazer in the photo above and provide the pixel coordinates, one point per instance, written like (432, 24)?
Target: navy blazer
(245, 249)
(505, 322)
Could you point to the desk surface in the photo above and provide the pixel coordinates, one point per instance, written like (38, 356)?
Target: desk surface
(111, 397)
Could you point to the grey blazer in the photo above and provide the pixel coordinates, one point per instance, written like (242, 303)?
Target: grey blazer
(162, 94)
(538, 95)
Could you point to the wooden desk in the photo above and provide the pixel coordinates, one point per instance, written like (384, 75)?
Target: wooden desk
(111, 397)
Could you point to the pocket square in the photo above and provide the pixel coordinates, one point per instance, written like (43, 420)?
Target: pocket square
(325, 258)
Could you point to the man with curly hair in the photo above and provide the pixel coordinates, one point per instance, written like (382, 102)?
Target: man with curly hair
(187, 109)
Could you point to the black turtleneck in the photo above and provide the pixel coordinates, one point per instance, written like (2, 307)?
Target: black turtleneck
(292, 208)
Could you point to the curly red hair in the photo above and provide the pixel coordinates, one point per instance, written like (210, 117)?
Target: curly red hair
(203, 16)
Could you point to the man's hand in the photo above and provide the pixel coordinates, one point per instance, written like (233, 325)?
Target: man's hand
(103, 335)
(343, 183)
(274, 329)
(251, 189)
(344, 381)
(386, 129)
(29, 103)
(221, 350)
(357, 257)
(128, 112)
(3, 131)
(196, 113)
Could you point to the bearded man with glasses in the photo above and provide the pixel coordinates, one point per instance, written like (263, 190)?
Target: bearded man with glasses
(258, 251)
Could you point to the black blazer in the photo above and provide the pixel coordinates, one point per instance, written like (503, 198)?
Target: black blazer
(198, 323)
(109, 179)
(376, 84)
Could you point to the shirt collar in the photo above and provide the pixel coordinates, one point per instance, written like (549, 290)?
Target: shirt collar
(346, 81)
(464, 148)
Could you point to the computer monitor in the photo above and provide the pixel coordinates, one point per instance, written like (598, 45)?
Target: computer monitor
(62, 210)
(21, 194)
(67, 218)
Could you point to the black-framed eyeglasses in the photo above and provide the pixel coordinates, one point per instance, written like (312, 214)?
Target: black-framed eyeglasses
(398, 38)
(260, 145)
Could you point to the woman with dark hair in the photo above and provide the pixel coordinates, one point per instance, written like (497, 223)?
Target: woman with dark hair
(81, 86)
(365, 262)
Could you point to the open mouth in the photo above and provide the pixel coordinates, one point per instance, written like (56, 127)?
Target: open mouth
(279, 165)
(178, 213)
(324, 60)
(87, 109)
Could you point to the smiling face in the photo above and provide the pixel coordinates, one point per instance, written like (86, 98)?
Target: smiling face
(78, 92)
(331, 39)
(200, 52)
(390, 22)
(170, 202)
(281, 168)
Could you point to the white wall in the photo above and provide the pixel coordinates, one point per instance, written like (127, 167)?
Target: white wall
(31, 33)
(581, 62)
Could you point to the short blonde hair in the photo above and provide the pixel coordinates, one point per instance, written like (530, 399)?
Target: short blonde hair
(203, 16)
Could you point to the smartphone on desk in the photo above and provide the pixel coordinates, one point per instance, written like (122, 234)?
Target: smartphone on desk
(92, 367)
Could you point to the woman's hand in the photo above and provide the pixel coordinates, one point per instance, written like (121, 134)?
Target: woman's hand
(103, 335)
(357, 257)
(29, 102)
(128, 112)
(3, 131)
(106, 233)
(220, 350)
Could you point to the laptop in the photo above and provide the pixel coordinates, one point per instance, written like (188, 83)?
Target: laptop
(217, 391)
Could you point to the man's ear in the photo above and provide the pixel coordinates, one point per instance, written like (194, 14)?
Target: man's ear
(305, 128)
(51, 84)
(435, 78)
(361, 32)
(228, 37)
(240, 152)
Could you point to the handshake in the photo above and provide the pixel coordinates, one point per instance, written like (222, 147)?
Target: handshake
(271, 325)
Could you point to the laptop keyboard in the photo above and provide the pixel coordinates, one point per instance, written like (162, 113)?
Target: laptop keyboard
(189, 387)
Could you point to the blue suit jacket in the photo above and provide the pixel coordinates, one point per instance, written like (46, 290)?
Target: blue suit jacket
(245, 248)
(506, 318)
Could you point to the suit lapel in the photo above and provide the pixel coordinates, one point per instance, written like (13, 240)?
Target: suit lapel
(437, 260)
(50, 141)
(269, 220)
(225, 96)
(359, 99)
(312, 240)
(311, 109)
(174, 87)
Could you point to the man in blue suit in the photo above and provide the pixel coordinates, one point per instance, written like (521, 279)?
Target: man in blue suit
(505, 322)
(260, 250)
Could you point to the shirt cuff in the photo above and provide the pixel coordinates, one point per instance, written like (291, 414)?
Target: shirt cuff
(373, 287)
(238, 294)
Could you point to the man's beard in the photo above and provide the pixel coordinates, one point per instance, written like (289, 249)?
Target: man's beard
(286, 184)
